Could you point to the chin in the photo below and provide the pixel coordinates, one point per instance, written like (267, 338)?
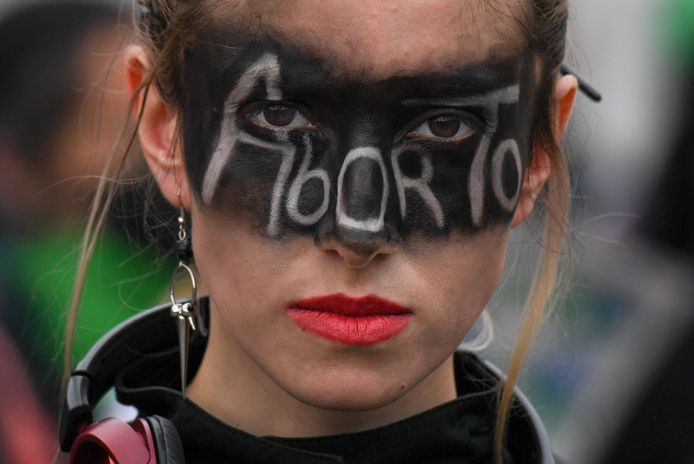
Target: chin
(343, 389)
(352, 399)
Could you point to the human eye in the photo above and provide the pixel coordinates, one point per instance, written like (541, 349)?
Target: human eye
(277, 115)
(444, 127)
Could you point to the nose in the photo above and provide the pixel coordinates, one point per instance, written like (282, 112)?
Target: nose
(360, 228)
(356, 248)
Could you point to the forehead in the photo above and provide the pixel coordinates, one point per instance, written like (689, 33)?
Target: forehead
(378, 39)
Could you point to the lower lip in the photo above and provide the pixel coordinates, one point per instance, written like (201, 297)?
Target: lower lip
(352, 330)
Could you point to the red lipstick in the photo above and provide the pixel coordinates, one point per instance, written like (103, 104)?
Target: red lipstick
(365, 320)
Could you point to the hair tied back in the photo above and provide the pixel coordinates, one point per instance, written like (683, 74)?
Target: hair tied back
(151, 20)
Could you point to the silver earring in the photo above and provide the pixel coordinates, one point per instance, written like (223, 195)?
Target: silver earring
(481, 334)
(185, 311)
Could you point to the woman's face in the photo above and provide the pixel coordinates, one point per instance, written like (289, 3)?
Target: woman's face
(355, 168)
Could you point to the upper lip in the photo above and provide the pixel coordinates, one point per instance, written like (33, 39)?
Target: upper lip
(369, 305)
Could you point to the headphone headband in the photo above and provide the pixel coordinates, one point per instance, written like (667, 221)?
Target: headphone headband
(95, 374)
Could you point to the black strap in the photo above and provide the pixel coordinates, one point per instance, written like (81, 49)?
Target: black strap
(96, 372)
(167, 440)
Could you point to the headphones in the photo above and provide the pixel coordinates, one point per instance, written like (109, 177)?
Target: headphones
(148, 440)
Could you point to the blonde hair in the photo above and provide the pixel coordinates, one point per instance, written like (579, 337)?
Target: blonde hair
(169, 26)
(556, 205)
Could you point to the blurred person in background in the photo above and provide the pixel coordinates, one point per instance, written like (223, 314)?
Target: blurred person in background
(637, 302)
(61, 104)
(658, 423)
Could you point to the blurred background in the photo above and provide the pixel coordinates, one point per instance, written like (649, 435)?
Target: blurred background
(612, 373)
(62, 106)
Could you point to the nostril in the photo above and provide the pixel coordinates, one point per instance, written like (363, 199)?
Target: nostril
(355, 250)
(358, 242)
(355, 246)
(355, 260)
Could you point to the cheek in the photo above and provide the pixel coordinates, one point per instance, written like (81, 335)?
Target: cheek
(246, 185)
(246, 271)
(456, 279)
(230, 255)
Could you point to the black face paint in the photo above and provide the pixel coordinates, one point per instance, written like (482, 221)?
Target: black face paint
(275, 137)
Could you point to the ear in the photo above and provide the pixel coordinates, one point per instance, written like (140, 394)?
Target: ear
(539, 169)
(157, 129)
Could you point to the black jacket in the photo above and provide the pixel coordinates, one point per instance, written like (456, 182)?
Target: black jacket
(460, 431)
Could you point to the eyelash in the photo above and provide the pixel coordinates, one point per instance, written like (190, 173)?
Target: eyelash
(467, 126)
(257, 113)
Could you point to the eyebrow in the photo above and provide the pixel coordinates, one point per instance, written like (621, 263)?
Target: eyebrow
(504, 94)
(464, 85)
(469, 85)
(478, 86)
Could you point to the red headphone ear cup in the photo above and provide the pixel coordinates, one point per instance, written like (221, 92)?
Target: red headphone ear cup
(90, 452)
(167, 441)
(111, 441)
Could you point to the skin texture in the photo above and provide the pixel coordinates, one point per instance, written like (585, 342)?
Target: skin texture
(261, 372)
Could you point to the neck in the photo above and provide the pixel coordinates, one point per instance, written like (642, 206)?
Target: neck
(233, 388)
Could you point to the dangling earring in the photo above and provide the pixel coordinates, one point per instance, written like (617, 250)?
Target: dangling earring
(481, 334)
(184, 312)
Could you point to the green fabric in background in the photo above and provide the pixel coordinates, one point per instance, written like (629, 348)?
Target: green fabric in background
(678, 28)
(121, 281)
